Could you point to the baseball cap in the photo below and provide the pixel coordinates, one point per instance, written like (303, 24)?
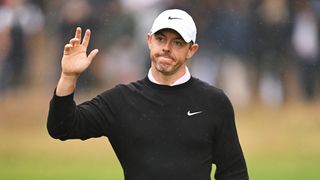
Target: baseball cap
(177, 20)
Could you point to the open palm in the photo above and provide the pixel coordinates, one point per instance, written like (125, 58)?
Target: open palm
(75, 59)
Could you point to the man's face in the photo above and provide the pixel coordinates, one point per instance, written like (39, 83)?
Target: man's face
(169, 52)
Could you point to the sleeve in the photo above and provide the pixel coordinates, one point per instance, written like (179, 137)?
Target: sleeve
(227, 153)
(66, 120)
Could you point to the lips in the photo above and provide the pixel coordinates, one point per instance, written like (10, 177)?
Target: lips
(166, 61)
(165, 57)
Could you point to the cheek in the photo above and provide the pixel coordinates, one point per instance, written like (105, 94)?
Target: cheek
(153, 49)
(183, 55)
(189, 54)
(153, 52)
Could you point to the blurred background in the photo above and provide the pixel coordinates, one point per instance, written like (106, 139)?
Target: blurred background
(263, 53)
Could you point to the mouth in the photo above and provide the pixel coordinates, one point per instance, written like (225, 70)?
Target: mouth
(166, 58)
(165, 61)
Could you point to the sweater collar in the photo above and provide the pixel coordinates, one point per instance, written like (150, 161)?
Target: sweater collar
(179, 81)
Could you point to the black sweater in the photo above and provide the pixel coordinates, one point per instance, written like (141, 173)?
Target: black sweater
(158, 132)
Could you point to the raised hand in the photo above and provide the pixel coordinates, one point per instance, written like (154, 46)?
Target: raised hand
(74, 62)
(75, 59)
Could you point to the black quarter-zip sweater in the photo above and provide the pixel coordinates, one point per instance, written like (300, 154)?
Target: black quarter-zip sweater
(158, 132)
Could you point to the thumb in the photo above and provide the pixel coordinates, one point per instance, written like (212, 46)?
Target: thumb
(93, 54)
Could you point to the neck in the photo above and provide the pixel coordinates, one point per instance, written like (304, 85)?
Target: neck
(167, 79)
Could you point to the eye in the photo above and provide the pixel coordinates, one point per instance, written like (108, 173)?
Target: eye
(178, 43)
(159, 38)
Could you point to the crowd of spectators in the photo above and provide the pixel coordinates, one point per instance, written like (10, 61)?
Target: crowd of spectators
(256, 50)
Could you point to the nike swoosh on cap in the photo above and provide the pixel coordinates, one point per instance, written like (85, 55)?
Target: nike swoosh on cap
(171, 18)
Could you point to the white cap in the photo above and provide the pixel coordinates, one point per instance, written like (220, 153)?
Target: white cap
(177, 20)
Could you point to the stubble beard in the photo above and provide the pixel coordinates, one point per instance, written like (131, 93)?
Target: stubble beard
(164, 68)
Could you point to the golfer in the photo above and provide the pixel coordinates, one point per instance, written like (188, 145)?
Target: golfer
(166, 126)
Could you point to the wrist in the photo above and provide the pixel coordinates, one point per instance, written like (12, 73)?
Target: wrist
(69, 77)
(66, 85)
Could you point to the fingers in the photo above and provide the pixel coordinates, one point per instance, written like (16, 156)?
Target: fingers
(78, 33)
(74, 42)
(93, 54)
(86, 38)
(77, 38)
(67, 49)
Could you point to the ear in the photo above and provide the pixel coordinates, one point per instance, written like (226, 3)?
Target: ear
(192, 50)
(149, 37)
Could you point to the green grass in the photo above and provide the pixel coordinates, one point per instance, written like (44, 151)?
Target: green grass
(284, 167)
(78, 163)
(47, 166)
(34, 168)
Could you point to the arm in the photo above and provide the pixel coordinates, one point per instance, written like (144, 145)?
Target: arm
(93, 118)
(65, 119)
(228, 155)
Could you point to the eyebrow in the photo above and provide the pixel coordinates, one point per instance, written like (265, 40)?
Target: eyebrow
(178, 35)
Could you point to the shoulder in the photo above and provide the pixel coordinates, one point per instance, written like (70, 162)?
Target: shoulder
(217, 100)
(123, 89)
(210, 92)
(206, 88)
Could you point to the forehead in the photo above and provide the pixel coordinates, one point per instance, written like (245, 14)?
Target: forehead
(168, 31)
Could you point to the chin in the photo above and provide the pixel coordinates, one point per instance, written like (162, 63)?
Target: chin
(165, 70)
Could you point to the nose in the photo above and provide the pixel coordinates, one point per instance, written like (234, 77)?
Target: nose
(166, 47)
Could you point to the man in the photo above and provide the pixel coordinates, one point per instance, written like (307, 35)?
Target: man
(167, 126)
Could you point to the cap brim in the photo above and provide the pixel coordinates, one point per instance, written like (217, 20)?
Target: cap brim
(185, 37)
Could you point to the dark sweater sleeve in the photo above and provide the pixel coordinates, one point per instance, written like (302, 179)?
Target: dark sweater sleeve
(228, 155)
(66, 120)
